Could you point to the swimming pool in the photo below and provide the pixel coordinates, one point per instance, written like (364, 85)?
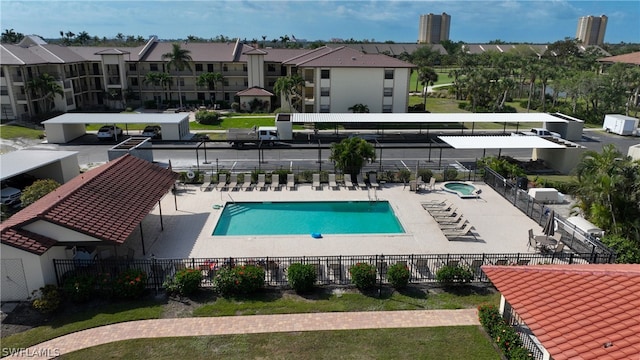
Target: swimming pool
(296, 218)
(462, 189)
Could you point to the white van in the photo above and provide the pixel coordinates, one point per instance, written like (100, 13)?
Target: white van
(10, 196)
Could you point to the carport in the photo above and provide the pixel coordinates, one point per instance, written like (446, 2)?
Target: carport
(561, 156)
(60, 166)
(66, 127)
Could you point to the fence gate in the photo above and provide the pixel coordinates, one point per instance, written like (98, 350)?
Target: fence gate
(14, 282)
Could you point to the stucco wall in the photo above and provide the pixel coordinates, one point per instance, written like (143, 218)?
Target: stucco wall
(36, 271)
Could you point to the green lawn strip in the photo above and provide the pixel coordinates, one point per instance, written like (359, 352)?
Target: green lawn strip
(67, 323)
(16, 131)
(457, 342)
(414, 299)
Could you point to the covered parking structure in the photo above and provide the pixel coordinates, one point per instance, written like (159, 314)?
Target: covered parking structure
(568, 127)
(559, 155)
(66, 127)
(60, 166)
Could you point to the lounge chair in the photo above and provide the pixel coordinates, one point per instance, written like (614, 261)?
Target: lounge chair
(443, 212)
(422, 265)
(466, 230)
(332, 182)
(448, 219)
(559, 247)
(458, 226)
(261, 185)
(373, 181)
(222, 182)
(432, 183)
(291, 182)
(247, 185)
(347, 181)
(316, 182)
(361, 183)
(275, 181)
(206, 184)
(233, 182)
(434, 204)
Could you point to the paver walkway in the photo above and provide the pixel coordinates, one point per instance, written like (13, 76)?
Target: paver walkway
(201, 326)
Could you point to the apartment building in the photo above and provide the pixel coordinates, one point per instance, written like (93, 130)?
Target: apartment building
(591, 30)
(434, 29)
(114, 78)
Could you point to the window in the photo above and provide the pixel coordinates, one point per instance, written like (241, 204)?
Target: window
(271, 83)
(246, 82)
(4, 90)
(244, 67)
(324, 108)
(199, 67)
(388, 74)
(324, 74)
(201, 96)
(181, 82)
(210, 67)
(133, 67)
(225, 82)
(325, 91)
(225, 68)
(153, 67)
(386, 108)
(134, 81)
(271, 68)
(388, 91)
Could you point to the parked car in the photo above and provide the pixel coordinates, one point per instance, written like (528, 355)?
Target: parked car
(152, 131)
(10, 195)
(109, 132)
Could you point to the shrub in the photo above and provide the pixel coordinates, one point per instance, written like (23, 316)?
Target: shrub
(449, 274)
(398, 275)
(363, 275)
(449, 174)
(207, 117)
(240, 280)
(503, 334)
(301, 277)
(426, 174)
(185, 282)
(404, 175)
(79, 288)
(129, 284)
(48, 299)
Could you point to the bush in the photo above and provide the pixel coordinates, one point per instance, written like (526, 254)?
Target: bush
(207, 117)
(129, 284)
(301, 277)
(398, 275)
(449, 174)
(426, 174)
(453, 275)
(363, 275)
(404, 175)
(185, 282)
(503, 334)
(240, 280)
(48, 299)
(79, 288)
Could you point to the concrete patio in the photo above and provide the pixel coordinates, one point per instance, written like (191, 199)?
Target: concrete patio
(498, 226)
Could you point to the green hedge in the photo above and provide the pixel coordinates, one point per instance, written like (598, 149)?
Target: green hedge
(502, 333)
(363, 275)
(301, 277)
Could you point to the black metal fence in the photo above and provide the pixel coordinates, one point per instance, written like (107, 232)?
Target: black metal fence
(575, 238)
(331, 270)
(529, 340)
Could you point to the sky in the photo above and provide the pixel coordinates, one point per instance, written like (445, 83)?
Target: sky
(472, 21)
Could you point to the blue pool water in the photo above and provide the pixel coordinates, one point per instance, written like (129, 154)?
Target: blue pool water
(295, 218)
(462, 189)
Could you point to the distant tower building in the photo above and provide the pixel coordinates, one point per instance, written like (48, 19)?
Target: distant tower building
(434, 28)
(591, 30)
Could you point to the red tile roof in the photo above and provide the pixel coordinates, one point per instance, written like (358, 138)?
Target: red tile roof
(107, 203)
(576, 311)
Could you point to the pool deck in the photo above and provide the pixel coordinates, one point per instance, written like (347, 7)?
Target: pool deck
(499, 226)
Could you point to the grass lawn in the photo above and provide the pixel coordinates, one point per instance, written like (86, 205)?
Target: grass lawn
(462, 342)
(15, 131)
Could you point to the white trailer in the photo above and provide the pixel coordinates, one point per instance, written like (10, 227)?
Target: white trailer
(544, 195)
(620, 124)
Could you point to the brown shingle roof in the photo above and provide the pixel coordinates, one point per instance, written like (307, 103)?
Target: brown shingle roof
(254, 91)
(346, 57)
(574, 310)
(631, 58)
(107, 203)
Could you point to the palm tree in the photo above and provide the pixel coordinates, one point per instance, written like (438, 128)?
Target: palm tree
(350, 155)
(179, 59)
(44, 88)
(209, 79)
(359, 108)
(427, 76)
(152, 78)
(11, 37)
(291, 88)
(82, 38)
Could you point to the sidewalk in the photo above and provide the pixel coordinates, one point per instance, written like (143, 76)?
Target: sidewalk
(251, 324)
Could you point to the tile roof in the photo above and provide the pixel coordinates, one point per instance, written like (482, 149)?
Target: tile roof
(576, 311)
(107, 203)
(254, 91)
(346, 57)
(631, 58)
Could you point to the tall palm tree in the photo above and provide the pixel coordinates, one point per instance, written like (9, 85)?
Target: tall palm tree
(359, 108)
(210, 80)
(152, 78)
(179, 59)
(351, 154)
(291, 88)
(427, 76)
(44, 88)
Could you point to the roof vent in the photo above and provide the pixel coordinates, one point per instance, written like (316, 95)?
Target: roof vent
(353, 58)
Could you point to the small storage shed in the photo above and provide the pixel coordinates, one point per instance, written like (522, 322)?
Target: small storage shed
(544, 195)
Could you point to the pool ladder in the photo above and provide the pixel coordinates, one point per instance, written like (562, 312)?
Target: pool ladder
(372, 195)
